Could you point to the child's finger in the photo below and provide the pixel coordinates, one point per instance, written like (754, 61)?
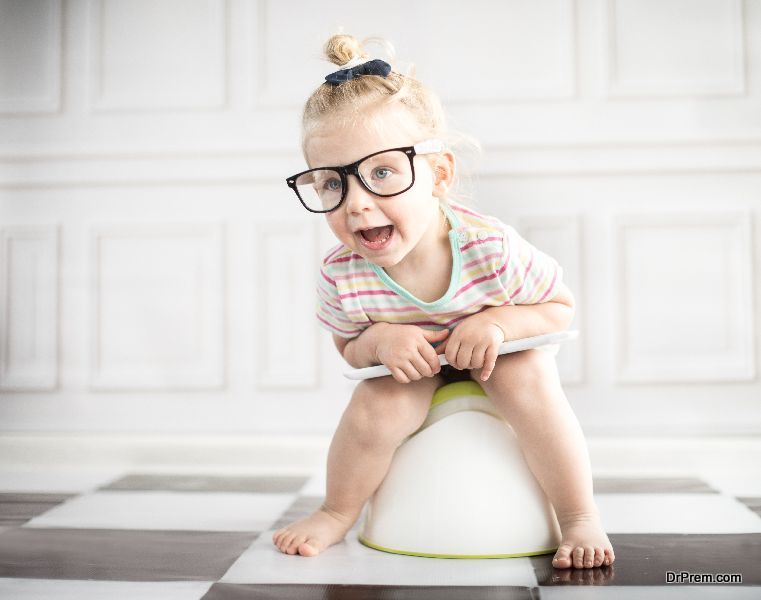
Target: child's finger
(465, 356)
(477, 360)
(422, 366)
(399, 375)
(441, 347)
(431, 358)
(451, 354)
(434, 336)
(490, 361)
(411, 372)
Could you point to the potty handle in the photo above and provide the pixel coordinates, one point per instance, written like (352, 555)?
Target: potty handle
(504, 348)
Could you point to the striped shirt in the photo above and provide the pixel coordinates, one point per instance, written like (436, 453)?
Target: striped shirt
(492, 265)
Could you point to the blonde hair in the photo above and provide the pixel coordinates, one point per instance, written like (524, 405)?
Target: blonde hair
(346, 103)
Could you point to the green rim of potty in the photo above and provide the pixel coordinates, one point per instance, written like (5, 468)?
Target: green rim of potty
(369, 544)
(454, 390)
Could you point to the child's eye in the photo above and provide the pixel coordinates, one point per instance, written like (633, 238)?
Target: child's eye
(333, 185)
(382, 173)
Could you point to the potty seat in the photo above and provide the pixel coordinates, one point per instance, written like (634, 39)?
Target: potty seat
(459, 487)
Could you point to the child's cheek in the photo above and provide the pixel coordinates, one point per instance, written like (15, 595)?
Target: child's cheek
(338, 228)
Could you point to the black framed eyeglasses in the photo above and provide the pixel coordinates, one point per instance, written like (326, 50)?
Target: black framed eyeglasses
(385, 173)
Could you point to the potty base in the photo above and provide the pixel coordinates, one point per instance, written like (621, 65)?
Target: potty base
(460, 488)
(364, 542)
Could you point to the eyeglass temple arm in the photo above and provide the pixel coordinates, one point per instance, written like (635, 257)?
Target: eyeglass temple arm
(428, 147)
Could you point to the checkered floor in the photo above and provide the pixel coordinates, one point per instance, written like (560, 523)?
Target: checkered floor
(82, 534)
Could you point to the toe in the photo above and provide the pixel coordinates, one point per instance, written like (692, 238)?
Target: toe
(562, 559)
(297, 541)
(279, 542)
(292, 547)
(599, 556)
(608, 557)
(285, 541)
(589, 557)
(578, 557)
(309, 548)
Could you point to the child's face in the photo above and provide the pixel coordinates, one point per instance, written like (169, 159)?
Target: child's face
(411, 214)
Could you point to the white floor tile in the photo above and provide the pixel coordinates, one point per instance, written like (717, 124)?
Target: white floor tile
(196, 511)
(675, 513)
(61, 480)
(349, 562)
(65, 589)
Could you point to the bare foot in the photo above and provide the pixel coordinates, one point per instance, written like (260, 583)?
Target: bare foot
(313, 534)
(584, 544)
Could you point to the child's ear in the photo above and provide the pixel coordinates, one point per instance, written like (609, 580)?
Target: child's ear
(443, 172)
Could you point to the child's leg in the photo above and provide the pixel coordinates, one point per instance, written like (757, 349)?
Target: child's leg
(525, 388)
(381, 414)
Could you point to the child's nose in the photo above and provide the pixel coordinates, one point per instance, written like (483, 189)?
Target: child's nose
(358, 199)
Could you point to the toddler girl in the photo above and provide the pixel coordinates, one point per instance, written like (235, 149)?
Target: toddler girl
(417, 274)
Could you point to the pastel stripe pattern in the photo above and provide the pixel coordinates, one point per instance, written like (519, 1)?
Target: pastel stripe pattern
(493, 266)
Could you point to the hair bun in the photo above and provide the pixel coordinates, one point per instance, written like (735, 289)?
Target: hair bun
(341, 48)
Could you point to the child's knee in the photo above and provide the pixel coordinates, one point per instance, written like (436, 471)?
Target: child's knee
(383, 406)
(525, 369)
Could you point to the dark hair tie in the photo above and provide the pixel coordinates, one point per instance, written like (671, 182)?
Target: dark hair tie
(371, 67)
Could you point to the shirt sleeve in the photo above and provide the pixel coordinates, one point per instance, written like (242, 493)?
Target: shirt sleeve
(330, 312)
(530, 276)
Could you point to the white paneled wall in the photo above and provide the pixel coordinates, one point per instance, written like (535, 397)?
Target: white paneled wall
(29, 307)
(157, 276)
(157, 307)
(174, 60)
(684, 298)
(30, 74)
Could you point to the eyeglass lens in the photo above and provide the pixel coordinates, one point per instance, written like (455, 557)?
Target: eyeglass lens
(384, 174)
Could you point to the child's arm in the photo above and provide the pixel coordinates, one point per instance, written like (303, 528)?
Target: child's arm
(527, 320)
(406, 350)
(475, 341)
(360, 351)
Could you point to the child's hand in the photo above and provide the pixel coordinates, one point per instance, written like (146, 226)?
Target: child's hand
(407, 352)
(474, 344)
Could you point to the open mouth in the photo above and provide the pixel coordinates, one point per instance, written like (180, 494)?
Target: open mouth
(376, 238)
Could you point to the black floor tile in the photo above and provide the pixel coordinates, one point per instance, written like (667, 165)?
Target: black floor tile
(645, 559)
(209, 483)
(124, 555)
(227, 591)
(18, 508)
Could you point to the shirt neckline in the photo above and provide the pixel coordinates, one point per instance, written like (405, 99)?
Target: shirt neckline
(454, 279)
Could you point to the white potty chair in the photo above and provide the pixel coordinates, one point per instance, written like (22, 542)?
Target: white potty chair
(459, 487)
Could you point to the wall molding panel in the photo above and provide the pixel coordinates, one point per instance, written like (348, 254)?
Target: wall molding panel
(157, 307)
(30, 81)
(150, 56)
(703, 55)
(287, 333)
(685, 292)
(29, 327)
(559, 236)
(536, 59)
